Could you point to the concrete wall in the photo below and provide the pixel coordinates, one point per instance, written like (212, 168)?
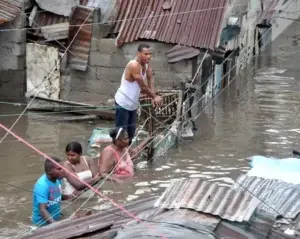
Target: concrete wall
(247, 38)
(12, 60)
(290, 11)
(107, 62)
(43, 71)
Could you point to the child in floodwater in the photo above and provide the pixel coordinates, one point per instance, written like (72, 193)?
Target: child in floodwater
(85, 168)
(117, 158)
(47, 194)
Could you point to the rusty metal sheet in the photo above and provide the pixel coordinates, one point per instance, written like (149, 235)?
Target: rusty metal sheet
(209, 221)
(189, 23)
(92, 3)
(48, 25)
(9, 10)
(61, 232)
(179, 53)
(100, 223)
(80, 47)
(277, 197)
(208, 197)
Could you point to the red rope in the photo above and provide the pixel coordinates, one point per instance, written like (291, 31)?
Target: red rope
(74, 175)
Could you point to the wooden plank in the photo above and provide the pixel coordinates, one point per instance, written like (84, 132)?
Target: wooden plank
(62, 101)
(65, 118)
(151, 131)
(180, 100)
(45, 104)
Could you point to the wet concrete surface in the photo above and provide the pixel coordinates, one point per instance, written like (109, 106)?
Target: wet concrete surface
(257, 114)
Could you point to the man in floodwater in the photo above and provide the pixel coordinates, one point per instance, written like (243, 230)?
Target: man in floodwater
(47, 195)
(132, 84)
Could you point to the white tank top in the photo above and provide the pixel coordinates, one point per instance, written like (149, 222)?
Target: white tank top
(128, 93)
(85, 175)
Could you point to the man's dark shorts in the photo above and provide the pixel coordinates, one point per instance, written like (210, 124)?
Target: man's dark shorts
(127, 120)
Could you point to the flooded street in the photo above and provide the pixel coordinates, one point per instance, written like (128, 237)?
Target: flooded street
(256, 114)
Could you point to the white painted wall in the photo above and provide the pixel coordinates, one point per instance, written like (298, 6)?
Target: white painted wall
(40, 62)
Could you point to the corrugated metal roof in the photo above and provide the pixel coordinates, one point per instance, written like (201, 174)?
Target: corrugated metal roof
(88, 226)
(47, 18)
(41, 20)
(95, 222)
(209, 221)
(82, 42)
(281, 196)
(209, 198)
(178, 53)
(189, 23)
(9, 10)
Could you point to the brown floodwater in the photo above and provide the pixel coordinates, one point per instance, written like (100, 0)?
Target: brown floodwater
(256, 114)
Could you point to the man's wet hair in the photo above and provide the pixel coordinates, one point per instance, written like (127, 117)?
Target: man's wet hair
(143, 46)
(49, 165)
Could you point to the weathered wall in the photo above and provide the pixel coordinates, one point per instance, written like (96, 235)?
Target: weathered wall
(107, 65)
(12, 60)
(43, 71)
(247, 37)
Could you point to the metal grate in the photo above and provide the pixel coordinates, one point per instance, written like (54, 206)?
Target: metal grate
(167, 109)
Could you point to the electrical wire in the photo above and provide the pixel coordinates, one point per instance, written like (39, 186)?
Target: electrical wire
(69, 111)
(97, 188)
(75, 176)
(229, 71)
(31, 101)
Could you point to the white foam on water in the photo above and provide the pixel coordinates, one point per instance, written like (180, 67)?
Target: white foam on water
(142, 184)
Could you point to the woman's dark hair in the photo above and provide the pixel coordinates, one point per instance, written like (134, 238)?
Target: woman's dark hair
(114, 133)
(74, 147)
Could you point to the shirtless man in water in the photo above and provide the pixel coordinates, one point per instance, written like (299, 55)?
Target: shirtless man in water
(132, 84)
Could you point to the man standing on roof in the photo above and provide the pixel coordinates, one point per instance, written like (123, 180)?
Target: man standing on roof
(132, 84)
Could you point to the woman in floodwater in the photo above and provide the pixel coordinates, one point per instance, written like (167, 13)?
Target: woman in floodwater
(117, 158)
(84, 168)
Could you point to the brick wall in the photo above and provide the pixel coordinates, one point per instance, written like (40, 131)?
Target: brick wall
(12, 60)
(107, 62)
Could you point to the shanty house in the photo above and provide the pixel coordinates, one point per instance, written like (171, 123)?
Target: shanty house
(182, 34)
(12, 49)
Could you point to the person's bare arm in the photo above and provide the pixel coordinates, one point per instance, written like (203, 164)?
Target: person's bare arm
(45, 214)
(78, 185)
(68, 197)
(107, 164)
(135, 70)
(93, 165)
(134, 152)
